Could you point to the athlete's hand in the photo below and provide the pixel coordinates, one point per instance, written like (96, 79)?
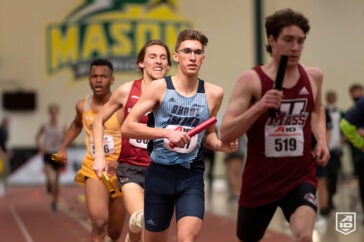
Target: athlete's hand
(178, 138)
(99, 165)
(271, 99)
(60, 156)
(227, 148)
(321, 154)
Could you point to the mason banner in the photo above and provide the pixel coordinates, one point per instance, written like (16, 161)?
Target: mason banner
(114, 29)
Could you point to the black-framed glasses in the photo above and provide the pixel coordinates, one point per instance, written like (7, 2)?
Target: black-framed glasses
(189, 51)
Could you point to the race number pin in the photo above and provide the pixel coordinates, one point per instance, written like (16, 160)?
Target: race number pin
(345, 222)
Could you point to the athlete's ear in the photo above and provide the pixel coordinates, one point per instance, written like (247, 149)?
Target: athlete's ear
(175, 57)
(271, 40)
(141, 65)
(113, 80)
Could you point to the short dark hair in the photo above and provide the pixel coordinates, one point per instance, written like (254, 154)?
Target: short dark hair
(284, 18)
(102, 62)
(355, 86)
(149, 43)
(191, 34)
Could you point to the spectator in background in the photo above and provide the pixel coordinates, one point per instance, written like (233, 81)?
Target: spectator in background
(4, 133)
(335, 146)
(356, 91)
(4, 153)
(49, 139)
(352, 125)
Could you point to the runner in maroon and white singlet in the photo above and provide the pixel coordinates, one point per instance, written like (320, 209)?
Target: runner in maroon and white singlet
(280, 169)
(153, 60)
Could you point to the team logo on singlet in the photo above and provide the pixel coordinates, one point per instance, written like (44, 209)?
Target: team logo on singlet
(303, 91)
(284, 133)
(292, 112)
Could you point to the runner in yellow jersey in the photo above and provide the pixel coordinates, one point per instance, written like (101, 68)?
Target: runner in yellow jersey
(111, 142)
(106, 213)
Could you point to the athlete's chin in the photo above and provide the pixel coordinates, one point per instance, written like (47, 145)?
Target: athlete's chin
(192, 71)
(98, 92)
(293, 60)
(157, 76)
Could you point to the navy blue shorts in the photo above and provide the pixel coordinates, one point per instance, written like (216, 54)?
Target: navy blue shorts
(253, 221)
(169, 187)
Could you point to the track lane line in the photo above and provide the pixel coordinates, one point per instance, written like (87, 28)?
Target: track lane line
(20, 223)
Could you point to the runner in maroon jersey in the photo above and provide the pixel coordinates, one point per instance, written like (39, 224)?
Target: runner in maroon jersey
(280, 168)
(154, 60)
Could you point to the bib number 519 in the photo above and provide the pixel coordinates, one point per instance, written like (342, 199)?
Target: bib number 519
(285, 144)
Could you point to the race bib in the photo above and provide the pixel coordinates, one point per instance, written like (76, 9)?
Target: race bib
(140, 143)
(188, 148)
(284, 141)
(108, 144)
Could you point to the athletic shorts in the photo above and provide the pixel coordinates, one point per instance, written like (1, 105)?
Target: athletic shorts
(253, 221)
(169, 187)
(47, 158)
(321, 171)
(131, 174)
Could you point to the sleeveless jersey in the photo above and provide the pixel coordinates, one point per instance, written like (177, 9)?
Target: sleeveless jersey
(53, 137)
(279, 148)
(134, 150)
(111, 143)
(180, 113)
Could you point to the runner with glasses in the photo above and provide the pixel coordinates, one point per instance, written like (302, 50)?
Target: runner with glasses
(189, 51)
(174, 180)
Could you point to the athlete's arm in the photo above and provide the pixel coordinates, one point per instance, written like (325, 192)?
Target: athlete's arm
(38, 138)
(114, 104)
(246, 105)
(318, 122)
(214, 95)
(150, 100)
(74, 130)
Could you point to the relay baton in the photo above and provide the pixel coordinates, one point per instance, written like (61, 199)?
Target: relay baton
(279, 79)
(111, 185)
(198, 128)
(58, 157)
